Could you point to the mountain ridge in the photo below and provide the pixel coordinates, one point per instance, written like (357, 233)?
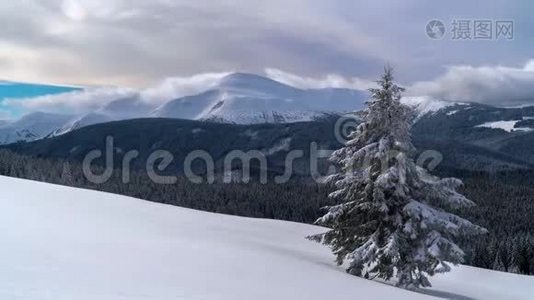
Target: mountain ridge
(240, 98)
(275, 140)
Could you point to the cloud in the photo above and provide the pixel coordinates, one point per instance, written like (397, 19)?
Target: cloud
(136, 43)
(4, 116)
(493, 85)
(92, 98)
(327, 81)
(75, 102)
(175, 87)
(74, 10)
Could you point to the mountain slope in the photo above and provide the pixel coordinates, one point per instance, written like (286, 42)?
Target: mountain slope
(79, 244)
(237, 98)
(509, 131)
(247, 98)
(31, 127)
(181, 137)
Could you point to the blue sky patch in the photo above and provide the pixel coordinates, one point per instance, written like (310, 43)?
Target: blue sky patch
(16, 90)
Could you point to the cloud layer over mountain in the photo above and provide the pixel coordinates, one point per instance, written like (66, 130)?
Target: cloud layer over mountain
(93, 98)
(493, 85)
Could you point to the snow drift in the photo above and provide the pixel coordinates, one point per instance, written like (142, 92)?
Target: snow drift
(65, 243)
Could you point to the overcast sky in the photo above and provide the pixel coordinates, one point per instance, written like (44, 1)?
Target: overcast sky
(140, 43)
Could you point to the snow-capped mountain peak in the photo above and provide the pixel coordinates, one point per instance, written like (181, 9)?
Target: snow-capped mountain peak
(236, 98)
(247, 98)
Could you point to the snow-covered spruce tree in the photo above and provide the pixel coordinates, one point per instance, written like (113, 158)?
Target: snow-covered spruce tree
(391, 219)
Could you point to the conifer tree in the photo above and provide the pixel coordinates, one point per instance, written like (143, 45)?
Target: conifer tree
(391, 218)
(66, 175)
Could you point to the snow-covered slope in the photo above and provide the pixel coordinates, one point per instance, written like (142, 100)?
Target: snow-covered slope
(64, 243)
(31, 127)
(120, 109)
(507, 126)
(126, 108)
(425, 104)
(246, 98)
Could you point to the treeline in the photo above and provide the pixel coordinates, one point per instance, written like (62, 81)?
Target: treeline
(505, 206)
(505, 203)
(297, 200)
(513, 254)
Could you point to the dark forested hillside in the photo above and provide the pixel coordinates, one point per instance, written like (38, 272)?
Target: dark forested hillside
(463, 126)
(180, 137)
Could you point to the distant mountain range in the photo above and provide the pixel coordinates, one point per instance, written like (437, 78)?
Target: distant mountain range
(247, 112)
(31, 127)
(238, 98)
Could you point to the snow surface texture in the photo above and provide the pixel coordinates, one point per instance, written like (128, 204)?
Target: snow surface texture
(237, 98)
(62, 243)
(507, 126)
